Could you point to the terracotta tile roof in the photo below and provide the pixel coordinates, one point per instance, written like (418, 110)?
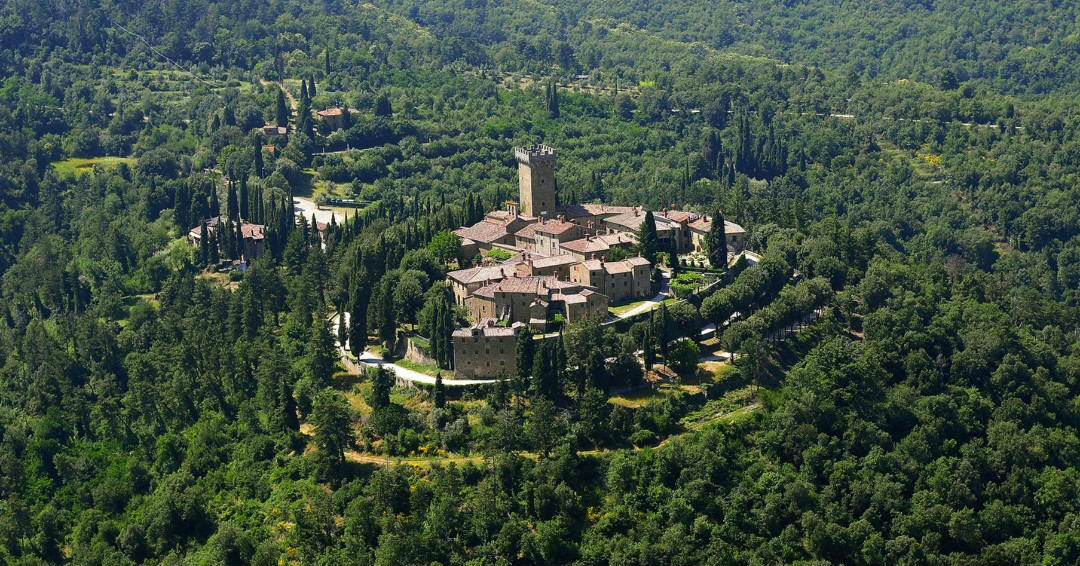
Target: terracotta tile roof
(703, 224)
(528, 232)
(484, 231)
(679, 215)
(532, 284)
(574, 211)
(622, 266)
(554, 261)
(487, 328)
(337, 111)
(600, 243)
(593, 264)
(629, 220)
(253, 231)
(572, 298)
(247, 229)
(491, 273)
(556, 227)
(486, 292)
(598, 209)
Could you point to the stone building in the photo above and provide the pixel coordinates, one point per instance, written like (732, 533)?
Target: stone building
(597, 247)
(555, 266)
(619, 280)
(535, 300)
(549, 235)
(699, 231)
(465, 282)
(485, 350)
(253, 236)
(497, 229)
(336, 118)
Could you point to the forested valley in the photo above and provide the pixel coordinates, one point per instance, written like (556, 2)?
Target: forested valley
(905, 379)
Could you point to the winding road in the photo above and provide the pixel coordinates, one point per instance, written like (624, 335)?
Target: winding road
(367, 358)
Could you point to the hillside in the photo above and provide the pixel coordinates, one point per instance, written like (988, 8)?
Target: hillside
(873, 359)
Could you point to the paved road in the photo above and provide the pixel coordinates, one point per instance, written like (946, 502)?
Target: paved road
(372, 359)
(307, 207)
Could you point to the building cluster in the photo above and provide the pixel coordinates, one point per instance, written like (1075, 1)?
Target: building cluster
(560, 267)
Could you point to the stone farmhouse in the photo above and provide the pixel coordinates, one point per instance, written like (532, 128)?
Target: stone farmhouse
(699, 229)
(335, 118)
(485, 350)
(253, 237)
(619, 280)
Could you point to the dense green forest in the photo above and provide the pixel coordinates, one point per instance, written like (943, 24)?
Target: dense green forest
(907, 382)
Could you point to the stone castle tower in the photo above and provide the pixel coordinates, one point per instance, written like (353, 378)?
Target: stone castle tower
(536, 179)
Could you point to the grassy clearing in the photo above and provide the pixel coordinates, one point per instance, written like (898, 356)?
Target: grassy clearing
(641, 397)
(76, 166)
(734, 405)
(426, 370)
(420, 462)
(626, 307)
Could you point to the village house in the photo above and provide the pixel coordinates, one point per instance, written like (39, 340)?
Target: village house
(550, 234)
(465, 282)
(699, 231)
(555, 266)
(275, 131)
(598, 247)
(497, 228)
(335, 118)
(485, 350)
(535, 300)
(619, 280)
(252, 235)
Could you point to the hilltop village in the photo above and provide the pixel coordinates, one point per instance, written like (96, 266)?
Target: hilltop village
(567, 262)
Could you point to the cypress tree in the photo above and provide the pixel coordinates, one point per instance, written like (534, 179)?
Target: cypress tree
(648, 241)
(342, 328)
(648, 348)
(311, 87)
(440, 391)
(321, 352)
(382, 380)
(387, 323)
(213, 244)
(204, 244)
(660, 330)
(282, 110)
(716, 241)
(215, 206)
(244, 198)
(326, 61)
(233, 206)
(526, 347)
(259, 165)
(358, 318)
(544, 382)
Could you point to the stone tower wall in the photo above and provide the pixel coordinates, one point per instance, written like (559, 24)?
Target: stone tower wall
(536, 179)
